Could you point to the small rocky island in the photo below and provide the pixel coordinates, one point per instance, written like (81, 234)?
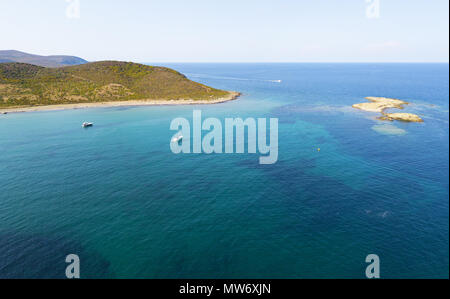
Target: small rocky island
(379, 104)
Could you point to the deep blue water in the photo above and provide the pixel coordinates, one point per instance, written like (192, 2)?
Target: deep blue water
(116, 195)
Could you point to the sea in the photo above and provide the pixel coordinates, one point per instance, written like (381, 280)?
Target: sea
(119, 198)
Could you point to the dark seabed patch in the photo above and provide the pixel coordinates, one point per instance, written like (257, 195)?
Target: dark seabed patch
(28, 257)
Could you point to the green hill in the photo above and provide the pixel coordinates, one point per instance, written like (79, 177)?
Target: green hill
(46, 61)
(30, 85)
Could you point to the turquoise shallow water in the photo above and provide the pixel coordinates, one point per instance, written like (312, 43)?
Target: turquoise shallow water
(116, 195)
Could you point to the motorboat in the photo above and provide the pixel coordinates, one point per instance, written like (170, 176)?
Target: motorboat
(177, 139)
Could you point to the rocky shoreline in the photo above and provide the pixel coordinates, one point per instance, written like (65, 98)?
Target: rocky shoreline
(380, 104)
(408, 117)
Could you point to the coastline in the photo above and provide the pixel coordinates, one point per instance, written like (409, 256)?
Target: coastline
(145, 102)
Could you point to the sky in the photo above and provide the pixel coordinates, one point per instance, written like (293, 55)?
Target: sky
(229, 30)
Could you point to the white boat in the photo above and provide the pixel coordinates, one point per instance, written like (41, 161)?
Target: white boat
(177, 139)
(86, 125)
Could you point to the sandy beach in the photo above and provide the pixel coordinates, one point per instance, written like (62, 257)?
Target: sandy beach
(146, 102)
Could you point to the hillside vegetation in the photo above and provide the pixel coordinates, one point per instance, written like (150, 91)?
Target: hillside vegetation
(46, 61)
(24, 85)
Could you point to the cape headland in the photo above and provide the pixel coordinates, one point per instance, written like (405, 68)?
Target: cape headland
(380, 104)
(26, 87)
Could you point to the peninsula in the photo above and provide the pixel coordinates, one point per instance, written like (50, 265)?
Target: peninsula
(380, 104)
(27, 87)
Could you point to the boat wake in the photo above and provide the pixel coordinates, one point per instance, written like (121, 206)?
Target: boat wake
(203, 76)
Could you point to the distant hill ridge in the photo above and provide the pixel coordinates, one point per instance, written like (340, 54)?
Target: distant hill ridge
(7, 56)
(25, 85)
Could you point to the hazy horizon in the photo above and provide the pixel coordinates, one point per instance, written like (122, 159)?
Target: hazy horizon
(357, 31)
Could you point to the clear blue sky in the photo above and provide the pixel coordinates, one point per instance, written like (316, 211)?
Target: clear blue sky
(230, 30)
